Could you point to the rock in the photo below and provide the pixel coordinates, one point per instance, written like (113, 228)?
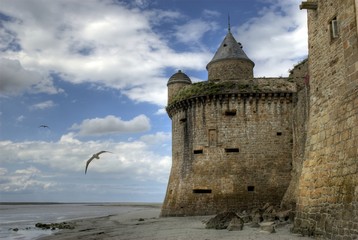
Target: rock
(53, 226)
(236, 224)
(256, 217)
(222, 220)
(265, 206)
(283, 215)
(254, 225)
(268, 227)
(269, 213)
(245, 217)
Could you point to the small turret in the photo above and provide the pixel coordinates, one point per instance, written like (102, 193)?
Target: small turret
(230, 62)
(175, 83)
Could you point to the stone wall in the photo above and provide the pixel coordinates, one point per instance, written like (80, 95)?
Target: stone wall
(299, 74)
(230, 69)
(328, 188)
(230, 151)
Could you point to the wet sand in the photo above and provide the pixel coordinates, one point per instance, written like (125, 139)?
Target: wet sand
(146, 224)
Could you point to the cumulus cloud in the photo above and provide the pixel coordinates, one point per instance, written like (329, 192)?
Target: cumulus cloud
(14, 79)
(194, 30)
(20, 118)
(156, 139)
(111, 44)
(42, 105)
(276, 39)
(23, 180)
(133, 161)
(112, 125)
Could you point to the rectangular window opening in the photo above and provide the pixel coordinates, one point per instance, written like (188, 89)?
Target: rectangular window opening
(334, 28)
(182, 120)
(279, 133)
(250, 188)
(198, 151)
(230, 150)
(230, 113)
(201, 190)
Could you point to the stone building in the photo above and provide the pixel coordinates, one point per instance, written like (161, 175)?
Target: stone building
(231, 137)
(327, 194)
(239, 141)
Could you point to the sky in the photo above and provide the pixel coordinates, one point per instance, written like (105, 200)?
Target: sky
(95, 72)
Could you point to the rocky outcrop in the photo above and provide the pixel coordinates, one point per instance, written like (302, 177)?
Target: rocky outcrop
(53, 226)
(265, 218)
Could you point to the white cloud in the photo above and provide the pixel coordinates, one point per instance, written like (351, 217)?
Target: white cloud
(20, 118)
(194, 30)
(23, 180)
(14, 79)
(43, 105)
(161, 111)
(276, 39)
(100, 42)
(112, 125)
(156, 139)
(133, 161)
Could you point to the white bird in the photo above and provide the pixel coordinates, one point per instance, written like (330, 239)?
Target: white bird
(96, 155)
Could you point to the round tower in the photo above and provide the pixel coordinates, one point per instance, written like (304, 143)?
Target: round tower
(231, 138)
(230, 62)
(176, 82)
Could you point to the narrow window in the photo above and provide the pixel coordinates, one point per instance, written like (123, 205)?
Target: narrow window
(198, 151)
(229, 150)
(182, 120)
(279, 133)
(201, 190)
(230, 112)
(212, 137)
(334, 28)
(250, 188)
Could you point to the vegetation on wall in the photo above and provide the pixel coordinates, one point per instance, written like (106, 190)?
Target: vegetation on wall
(213, 88)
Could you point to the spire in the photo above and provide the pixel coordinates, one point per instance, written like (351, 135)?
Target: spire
(228, 21)
(230, 49)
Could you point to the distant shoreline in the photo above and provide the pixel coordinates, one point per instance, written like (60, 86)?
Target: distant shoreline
(133, 204)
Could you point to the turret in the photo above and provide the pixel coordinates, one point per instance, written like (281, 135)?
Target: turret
(230, 62)
(176, 82)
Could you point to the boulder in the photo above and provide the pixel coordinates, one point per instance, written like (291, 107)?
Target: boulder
(283, 215)
(268, 227)
(236, 224)
(222, 220)
(245, 217)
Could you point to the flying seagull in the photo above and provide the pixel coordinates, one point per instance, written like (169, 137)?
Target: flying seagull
(44, 126)
(96, 155)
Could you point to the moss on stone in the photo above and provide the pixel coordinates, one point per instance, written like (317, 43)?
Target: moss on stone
(213, 88)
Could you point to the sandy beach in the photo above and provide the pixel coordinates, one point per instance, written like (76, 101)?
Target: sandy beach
(145, 223)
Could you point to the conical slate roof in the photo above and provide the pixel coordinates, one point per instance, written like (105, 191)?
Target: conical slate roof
(229, 49)
(179, 77)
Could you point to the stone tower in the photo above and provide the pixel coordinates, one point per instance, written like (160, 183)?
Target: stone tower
(327, 205)
(231, 137)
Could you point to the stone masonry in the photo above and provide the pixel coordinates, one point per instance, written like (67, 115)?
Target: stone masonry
(327, 204)
(240, 142)
(231, 137)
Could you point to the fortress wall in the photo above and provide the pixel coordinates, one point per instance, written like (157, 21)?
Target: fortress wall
(300, 76)
(328, 189)
(238, 153)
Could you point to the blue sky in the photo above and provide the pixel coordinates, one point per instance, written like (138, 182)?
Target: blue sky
(96, 72)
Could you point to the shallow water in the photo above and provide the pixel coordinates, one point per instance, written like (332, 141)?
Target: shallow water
(17, 221)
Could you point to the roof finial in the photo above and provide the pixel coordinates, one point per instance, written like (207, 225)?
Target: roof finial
(228, 21)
